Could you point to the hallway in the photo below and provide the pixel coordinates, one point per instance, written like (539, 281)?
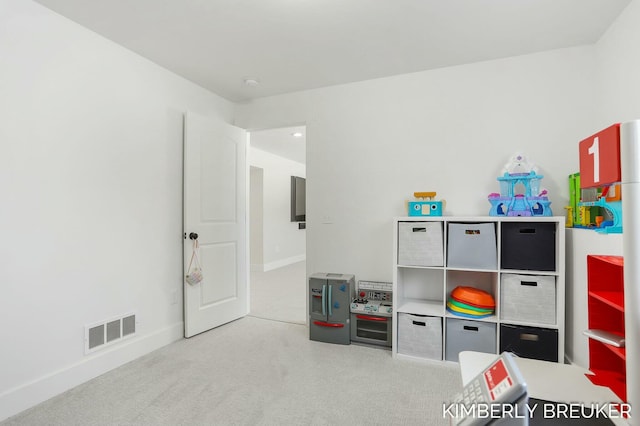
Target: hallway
(280, 294)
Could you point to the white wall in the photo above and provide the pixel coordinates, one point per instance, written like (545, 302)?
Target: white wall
(91, 217)
(282, 242)
(619, 79)
(617, 100)
(618, 70)
(370, 145)
(256, 197)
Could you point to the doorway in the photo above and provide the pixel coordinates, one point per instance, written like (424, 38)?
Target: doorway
(278, 241)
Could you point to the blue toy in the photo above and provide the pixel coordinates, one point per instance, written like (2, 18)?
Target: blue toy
(426, 206)
(520, 193)
(615, 210)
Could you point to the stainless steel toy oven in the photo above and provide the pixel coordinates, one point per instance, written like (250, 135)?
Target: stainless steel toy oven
(371, 313)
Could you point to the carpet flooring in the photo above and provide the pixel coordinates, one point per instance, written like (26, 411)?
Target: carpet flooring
(280, 294)
(256, 372)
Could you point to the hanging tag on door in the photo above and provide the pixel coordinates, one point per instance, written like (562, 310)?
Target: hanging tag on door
(195, 276)
(194, 271)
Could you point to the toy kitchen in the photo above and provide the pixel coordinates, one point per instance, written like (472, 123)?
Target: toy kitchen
(371, 313)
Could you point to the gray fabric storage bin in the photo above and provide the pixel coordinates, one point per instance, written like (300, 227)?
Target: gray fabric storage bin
(472, 245)
(420, 336)
(420, 244)
(529, 298)
(468, 335)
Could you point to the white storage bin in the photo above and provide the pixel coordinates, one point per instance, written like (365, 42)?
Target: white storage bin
(472, 245)
(530, 298)
(468, 335)
(420, 336)
(420, 244)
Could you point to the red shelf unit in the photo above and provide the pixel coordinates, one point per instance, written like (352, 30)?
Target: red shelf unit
(605, 275)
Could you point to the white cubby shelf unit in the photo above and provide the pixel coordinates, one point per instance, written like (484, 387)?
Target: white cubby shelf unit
(520, 261)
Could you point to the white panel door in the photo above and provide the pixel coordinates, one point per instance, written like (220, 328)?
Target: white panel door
(215, 188)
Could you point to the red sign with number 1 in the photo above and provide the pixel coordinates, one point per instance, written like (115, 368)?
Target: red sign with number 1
(600, 158)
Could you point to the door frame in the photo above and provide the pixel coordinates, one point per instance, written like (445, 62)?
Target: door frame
(306, 246)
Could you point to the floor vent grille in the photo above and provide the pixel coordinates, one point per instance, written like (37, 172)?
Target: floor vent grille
(106, 333)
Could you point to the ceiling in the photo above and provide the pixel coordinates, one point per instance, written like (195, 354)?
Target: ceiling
(292, 45)
(282, 142)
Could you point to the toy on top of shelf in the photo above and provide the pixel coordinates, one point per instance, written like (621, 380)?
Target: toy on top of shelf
(612, 208)
(425, 205)
(522, 176)
(595, 190)
(569, 222)
(573, 211)
(598, 208)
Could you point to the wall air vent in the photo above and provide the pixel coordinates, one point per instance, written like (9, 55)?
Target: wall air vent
(105, 333)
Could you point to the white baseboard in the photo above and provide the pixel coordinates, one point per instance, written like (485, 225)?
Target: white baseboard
(284, 262)
(20, 398)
